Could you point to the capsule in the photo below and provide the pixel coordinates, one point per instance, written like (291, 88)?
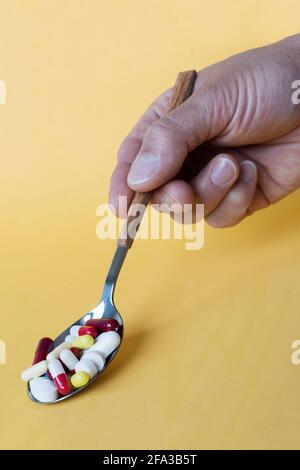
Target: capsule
(38, 369)
(76, 352)
(43, 348)
(96, 358)
(69, 359)
(74, 330)
(80, 379)
(80, 330)
(56, 352)
(60, 378)
(104, 324)
(88, 330)
(83, 342)
(43, 390)
(106, 343)
(87, 366)
(69, 338)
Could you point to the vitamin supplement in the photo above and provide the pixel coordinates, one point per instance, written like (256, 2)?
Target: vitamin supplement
(64, 366)
(106, 343)
(74, 330)
(104, 324)
(87, 366)
(43, 348)
(83, 342)
(60, 378)
(76, 352)
(88, 330)
(49, 375)
(84, 352)
(79, 379)
(80, 330)
(56, 352)
(43, 389)
(69, 339)
(68, 358)
(38, 369)
(96, 358)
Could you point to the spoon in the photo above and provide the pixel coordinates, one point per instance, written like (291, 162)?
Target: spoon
(106, 308)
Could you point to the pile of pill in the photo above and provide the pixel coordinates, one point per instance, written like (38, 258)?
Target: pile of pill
(57, 372)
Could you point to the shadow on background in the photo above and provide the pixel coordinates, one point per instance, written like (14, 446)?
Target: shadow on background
(260, 229)
(130, 348)
(274, 222)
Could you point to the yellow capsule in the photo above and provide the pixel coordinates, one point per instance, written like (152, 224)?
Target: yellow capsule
(79, 379)
(83, 342)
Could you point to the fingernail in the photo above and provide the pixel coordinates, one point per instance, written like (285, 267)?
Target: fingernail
(247, 171)
(142, 168)
(223, 172)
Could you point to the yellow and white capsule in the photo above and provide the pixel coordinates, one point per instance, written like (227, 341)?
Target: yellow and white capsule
(87, 366)
(83, 342)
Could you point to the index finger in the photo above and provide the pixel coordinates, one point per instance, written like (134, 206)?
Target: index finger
(129, 150)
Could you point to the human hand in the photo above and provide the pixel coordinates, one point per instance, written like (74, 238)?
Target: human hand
(234, 145)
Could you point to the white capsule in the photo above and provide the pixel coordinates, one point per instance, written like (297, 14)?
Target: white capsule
(74, 330)
(106, 343)
(69, 339)
(96, 358)
(43, 389)
(85, 365)
(68, 358)
(38, 369)
(56, 352)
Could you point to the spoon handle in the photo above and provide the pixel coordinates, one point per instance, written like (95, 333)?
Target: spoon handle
(182, 91)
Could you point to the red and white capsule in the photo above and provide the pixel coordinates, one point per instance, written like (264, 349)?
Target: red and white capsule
(59, 376)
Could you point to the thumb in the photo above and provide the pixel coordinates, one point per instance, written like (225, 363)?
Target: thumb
(169, 139)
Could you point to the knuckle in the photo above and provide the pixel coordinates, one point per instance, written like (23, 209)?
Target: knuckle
(160, 104)
(167, 130)
(162, 126)
(164, 130)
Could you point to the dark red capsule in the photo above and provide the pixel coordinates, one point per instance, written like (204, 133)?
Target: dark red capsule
(77, 352)
(104, 324)
(44, 346)
(88, 330)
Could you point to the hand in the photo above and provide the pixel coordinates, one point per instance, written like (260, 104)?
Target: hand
(234, 145)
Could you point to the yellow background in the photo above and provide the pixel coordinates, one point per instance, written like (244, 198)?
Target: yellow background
(206, 360)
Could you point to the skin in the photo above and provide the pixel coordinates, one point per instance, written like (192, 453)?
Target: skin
(234, 145)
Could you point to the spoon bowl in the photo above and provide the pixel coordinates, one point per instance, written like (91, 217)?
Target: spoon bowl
(94, 314)
(105, 309)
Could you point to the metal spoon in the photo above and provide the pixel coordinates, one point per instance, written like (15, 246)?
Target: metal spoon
(106, 308)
